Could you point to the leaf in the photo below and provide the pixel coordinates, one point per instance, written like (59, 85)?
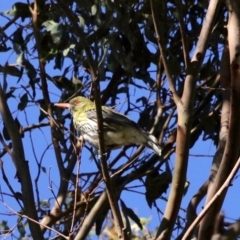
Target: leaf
(45, 204)
(100, 219)
(58, 61)
(10, 93)
(19, 9)
(43, 105)
(82, 21)
(195, 134)
(94, 9)
(18, 41)
(4, 48)
(62, 82)
(11, 70)
(5, 131)
(143, 99)
(156, 184)
(55, 29)
(130, 213)
(31, 72)
(21, 229)
(4, 226)
(66, 51)
(186, 186)
(145, 77)
(123, 90)
(77, 83)
(23, 102)
(43, 169)
(32, 83)
(19, 127)
(20, 59)
(127, 224)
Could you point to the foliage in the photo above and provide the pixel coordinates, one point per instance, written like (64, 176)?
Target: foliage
(138, 52)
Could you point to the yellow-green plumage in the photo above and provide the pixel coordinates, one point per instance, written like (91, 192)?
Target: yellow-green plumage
(118, 129)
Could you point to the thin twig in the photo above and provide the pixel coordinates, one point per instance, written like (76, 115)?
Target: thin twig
(183, 33)
(32, 220)
(161, 47)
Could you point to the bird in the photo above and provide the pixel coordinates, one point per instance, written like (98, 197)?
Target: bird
(118, 129)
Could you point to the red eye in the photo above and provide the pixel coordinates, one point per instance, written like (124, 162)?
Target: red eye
(76, 102)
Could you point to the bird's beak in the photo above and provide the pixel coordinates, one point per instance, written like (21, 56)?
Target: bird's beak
(62, 105)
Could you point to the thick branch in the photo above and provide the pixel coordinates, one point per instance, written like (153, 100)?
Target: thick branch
(185, 109)
(232, 148)
(22, 167)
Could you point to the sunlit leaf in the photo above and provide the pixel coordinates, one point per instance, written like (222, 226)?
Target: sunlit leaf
(94, 9)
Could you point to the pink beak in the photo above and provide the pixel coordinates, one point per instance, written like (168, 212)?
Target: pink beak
(62, 105)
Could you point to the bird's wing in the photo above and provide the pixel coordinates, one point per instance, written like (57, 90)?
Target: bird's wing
(111, 116)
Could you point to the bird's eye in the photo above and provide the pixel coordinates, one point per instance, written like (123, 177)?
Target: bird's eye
(76, 102)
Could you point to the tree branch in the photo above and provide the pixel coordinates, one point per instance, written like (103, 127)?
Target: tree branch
(92, 69)
(231, 152)
(213, 200)
(162, 47)
(185, 108)
(22, 167)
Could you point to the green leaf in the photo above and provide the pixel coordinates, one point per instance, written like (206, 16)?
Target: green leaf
(31, 72)
(4, 226)
(19, 9)
(130, 213)
(156, 184)
(9, 94)
(94, 9)
(100, 220)
(82, 21)
(5, 131)
(58, 61)
(45, 204)
(19, 127)
(20, 59)
(11, 70)
(4, 48)
(43, 105)
(23, 102)
(21, 229)
(186, 186)
(143, 100)
(77, 84)
(127, 224)
(55, 29)
(66, 51)
(18, 41)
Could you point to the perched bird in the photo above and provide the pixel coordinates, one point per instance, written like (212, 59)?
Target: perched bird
(118, 129)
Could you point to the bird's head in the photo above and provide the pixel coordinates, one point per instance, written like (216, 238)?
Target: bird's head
(77, 104)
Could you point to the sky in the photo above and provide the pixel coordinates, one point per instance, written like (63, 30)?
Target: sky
(198, 169)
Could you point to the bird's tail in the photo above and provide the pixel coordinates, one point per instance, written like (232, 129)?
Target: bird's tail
(153, 144)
